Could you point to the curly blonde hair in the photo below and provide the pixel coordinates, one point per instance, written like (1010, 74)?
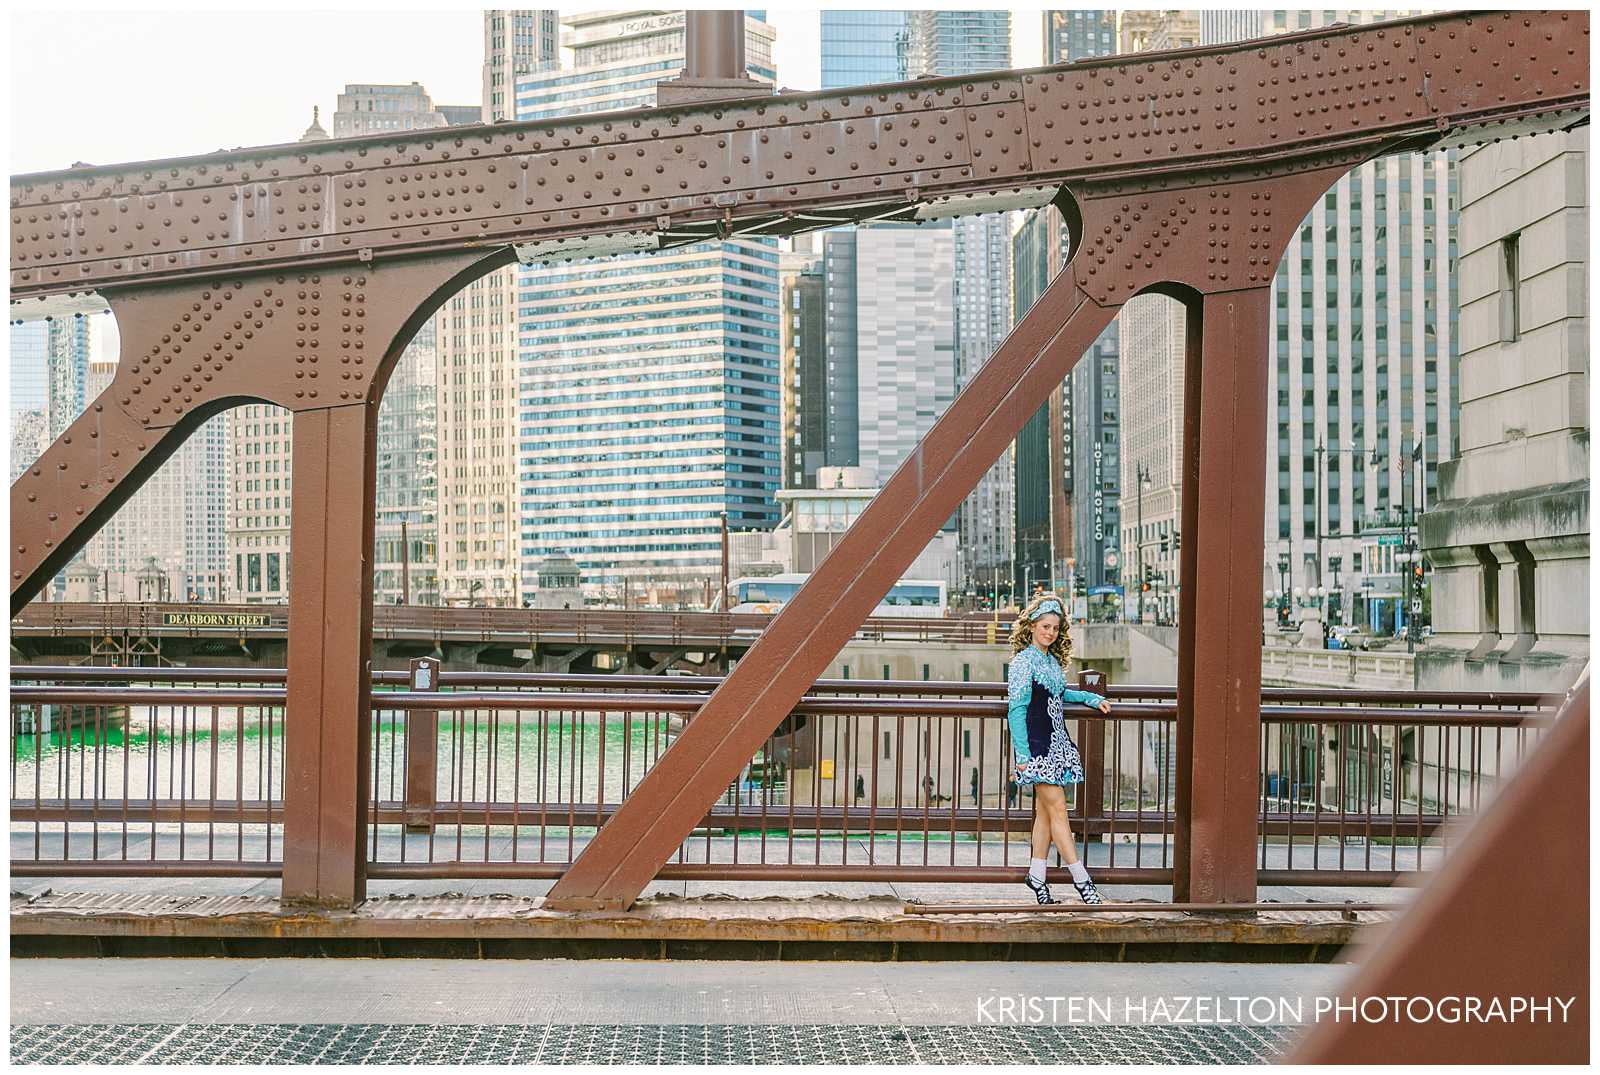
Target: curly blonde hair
(1022, 630)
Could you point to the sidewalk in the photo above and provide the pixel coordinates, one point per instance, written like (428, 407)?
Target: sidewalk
(418, 1011)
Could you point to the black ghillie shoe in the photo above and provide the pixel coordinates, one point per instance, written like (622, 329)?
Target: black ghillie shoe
(1087, 891)
(1041, 889)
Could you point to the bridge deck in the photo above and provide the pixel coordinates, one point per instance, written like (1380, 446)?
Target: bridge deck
(666, 925)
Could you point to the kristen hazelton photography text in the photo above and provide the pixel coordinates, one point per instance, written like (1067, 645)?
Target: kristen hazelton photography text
(1038, 536)
(1268, 1010)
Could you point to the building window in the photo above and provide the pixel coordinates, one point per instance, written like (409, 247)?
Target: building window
(886, 742)
(1510, 288)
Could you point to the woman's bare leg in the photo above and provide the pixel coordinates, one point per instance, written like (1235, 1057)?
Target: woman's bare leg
(1053, 801)
(1041, 827)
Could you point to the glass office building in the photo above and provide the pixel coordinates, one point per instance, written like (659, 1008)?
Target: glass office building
(862, 47)
(648, 390)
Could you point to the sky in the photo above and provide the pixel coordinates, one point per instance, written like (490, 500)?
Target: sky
(109, 87)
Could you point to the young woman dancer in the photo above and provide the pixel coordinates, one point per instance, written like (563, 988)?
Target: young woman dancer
(1047, 758)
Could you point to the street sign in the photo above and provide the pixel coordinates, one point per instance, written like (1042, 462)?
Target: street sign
(1389, 539)
(1416, 605)
(215, 619)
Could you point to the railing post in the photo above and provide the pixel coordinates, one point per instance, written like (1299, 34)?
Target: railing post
(1093, 752)
(422, 749)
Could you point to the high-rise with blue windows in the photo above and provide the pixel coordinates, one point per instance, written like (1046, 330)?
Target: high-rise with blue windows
(860, 48)
(648, 389)
(946, 44)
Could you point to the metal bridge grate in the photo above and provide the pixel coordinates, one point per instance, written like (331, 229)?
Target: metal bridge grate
(606, 1044)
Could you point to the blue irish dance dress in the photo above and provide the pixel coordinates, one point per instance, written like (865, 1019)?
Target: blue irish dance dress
(1036, 708)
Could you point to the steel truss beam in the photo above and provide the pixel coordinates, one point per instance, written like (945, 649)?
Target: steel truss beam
(296, 274)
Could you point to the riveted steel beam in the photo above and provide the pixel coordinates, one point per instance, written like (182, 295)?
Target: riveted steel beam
(676, 172)
(302, 340)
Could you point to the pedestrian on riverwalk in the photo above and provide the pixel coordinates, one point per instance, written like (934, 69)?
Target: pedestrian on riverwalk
(1046, 757)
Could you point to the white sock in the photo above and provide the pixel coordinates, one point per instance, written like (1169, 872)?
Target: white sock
(1036, 869)
(1079, 874)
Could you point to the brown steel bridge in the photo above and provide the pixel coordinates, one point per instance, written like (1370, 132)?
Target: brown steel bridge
(552, 640)
(296, 274)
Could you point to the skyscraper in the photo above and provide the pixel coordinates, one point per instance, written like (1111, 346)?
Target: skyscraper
(1364, 362)
(860, 48)
(148, 534)
(30, 393)
(407, 495)
(1217, 27)
(948, 43)
(407, 500)
(1079, 34)
(945, 43)
(259, 464)
(30, 362)
(515, 43)
(1141, 31)
(377, 108)
(68, 348)
(1075, 439)
(475, 336)
(804, 379)
(649, 388)
(889, 335)
(1151, 373)
(1044, 476)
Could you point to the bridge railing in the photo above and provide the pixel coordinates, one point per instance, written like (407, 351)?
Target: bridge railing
(510, 775)
(478, 624)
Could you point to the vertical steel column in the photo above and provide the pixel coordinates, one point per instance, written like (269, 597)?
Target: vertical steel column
(713, 44)
(1219, 643)
(327, 750)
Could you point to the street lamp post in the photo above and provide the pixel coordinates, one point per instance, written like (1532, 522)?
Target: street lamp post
(1141, 483)
(1111, 567)
(405, 564)
(1283, 587)
(723, 601)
